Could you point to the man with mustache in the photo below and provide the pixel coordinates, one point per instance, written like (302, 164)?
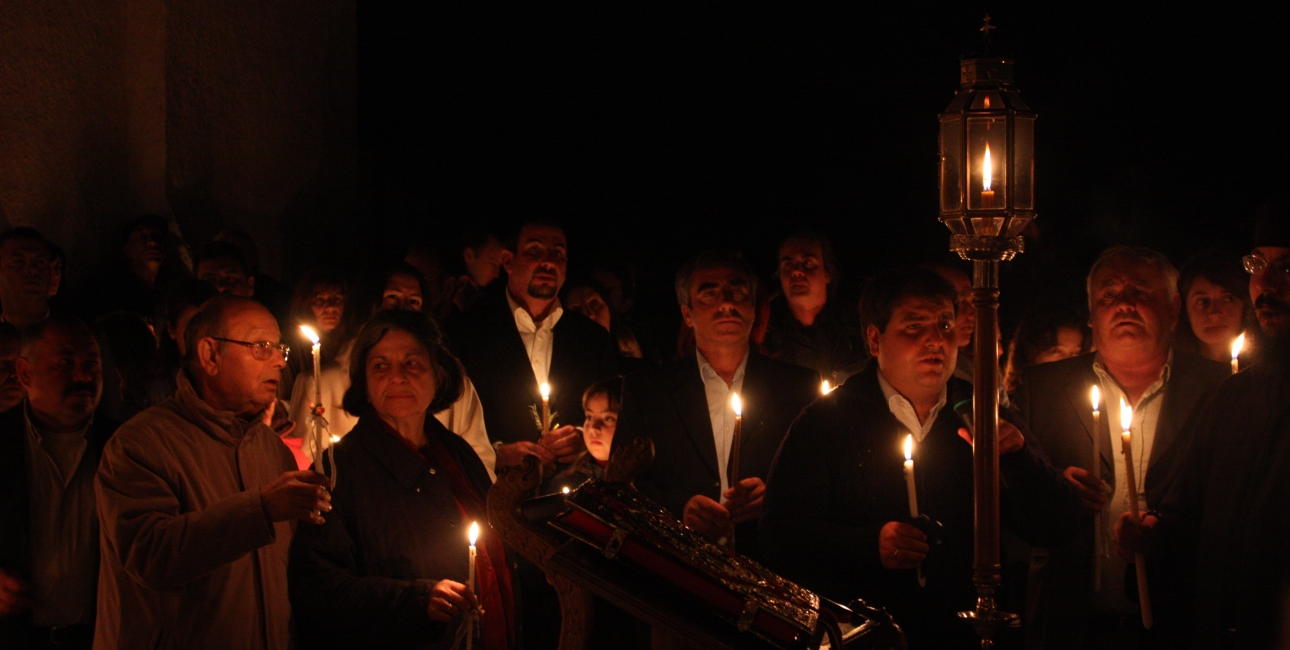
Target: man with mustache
(25, 280)
(49, 449)
(1223, 525)
(837, 511)
(197, 497)
(1133, 307)
(685, 407)
(808, 324)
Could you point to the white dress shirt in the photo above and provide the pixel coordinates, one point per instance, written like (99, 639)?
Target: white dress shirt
(903, 409)
(720, 410)
(537, 338)
(1142, 436)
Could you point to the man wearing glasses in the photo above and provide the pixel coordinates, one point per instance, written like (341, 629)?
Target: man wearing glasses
(1223, 523)
(686, 407)
(196, 497)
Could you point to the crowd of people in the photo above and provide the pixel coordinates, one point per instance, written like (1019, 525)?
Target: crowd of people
(156, 489)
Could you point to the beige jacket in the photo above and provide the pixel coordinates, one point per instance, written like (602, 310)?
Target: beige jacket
(189, 557)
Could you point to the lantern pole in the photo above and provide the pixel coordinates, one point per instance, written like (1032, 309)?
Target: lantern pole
(986, 232)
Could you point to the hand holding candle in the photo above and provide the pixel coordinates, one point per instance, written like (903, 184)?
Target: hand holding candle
(317, 439)
(1144, 596)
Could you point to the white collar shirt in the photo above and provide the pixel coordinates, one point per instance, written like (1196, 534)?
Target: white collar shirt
(538, 338)
(720, 411)
(903, 409)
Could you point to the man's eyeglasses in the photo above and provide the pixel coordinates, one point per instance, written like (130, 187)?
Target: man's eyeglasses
(261, 350)
(322, 302)
(1257, 265)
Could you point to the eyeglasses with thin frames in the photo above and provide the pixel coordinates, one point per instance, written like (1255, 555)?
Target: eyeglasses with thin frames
(261, 350)
(1258, 265)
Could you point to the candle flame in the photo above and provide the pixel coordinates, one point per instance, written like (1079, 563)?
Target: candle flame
(1126, 415)
(1238, 345)
(545, 389)
(335, 439)
(1096, 396)
(565, 490)
(737, 405)
(987, 171)
(309, 333)
(825, 389)
(474, 532)
(909, 447)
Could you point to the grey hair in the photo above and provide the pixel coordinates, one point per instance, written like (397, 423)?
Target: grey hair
(1168, 272)
(710, 260)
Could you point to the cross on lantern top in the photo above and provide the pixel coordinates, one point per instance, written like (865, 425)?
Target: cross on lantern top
(987, 27)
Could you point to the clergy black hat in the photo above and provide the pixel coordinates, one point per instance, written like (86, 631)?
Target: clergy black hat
(1272, 223)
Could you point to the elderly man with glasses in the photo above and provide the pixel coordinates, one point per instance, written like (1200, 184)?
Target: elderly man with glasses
(196, 498)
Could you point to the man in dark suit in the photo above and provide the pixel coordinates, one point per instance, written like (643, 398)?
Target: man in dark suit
(49, 450)
(837, 510)
(685, 406)
(513, 341)
(1133, 306)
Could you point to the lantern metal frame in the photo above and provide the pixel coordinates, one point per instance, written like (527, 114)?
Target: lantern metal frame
(986, 232)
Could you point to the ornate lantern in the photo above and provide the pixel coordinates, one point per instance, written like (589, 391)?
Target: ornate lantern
(987, 199)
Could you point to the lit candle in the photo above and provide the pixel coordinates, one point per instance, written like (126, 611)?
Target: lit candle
(1095, 468)
(732, 476)
(316, 432)
(909, 476)
(987, 181)
(1144, 596)
(470, 582)
(545, 389)
(825, 389)
(1237, 346)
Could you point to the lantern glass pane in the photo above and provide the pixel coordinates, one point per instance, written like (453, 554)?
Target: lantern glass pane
(1023, 197)
(987, 186)
(951, 165)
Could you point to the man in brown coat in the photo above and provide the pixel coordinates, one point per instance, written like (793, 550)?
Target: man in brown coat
(196, 499)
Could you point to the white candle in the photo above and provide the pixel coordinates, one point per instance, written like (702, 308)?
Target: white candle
(909, 475)
(545, 390)
(1095, 468)
(316, 431)
(470, 572)
(735, 440)
(1237, 346)
(1144, 596)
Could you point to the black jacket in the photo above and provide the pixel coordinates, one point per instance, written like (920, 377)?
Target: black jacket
(15, 506)
(363, 578)
(489, 346)
(669, 405)
(1054, 400)
(839, 478)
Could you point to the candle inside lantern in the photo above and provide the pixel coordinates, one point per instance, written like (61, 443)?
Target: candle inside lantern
(470, 582)
(909, 475)
(1144, 596)
(987, 181)
(545, 390)
(1237, 346)
(1095, 468)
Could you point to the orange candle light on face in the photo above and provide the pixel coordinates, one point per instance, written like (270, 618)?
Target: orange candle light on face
(987, 180)
(1237, 346)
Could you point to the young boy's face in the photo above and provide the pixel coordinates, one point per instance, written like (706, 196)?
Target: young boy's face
(598, 428)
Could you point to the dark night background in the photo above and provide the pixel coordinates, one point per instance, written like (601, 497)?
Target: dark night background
(656, 131)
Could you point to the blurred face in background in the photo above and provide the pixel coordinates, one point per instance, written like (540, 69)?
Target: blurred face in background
(328, 305)
(226, 275)
(484, 264)
(598, 426)
(589, 303)
(1070, 342)
(802, 275)
(11, 390)
(402, 292)
(1216, 314)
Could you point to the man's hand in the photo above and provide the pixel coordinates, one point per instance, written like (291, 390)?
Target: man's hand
(1132, 538)
(13, 595)
(744, 499)
(707, 516)
(901, 546)
(449, 601)
(512, 454)
(565, 443)
(1010, 438)
(1092, 490)
(299, 495)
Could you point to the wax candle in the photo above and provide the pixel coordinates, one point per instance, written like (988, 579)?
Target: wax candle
(732, 475)
(470, 582)
(1144, 595)
(987, 181)
(909, 476)
(1095, 468)
(316, 436)
(545, 389)
(1237, 346)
